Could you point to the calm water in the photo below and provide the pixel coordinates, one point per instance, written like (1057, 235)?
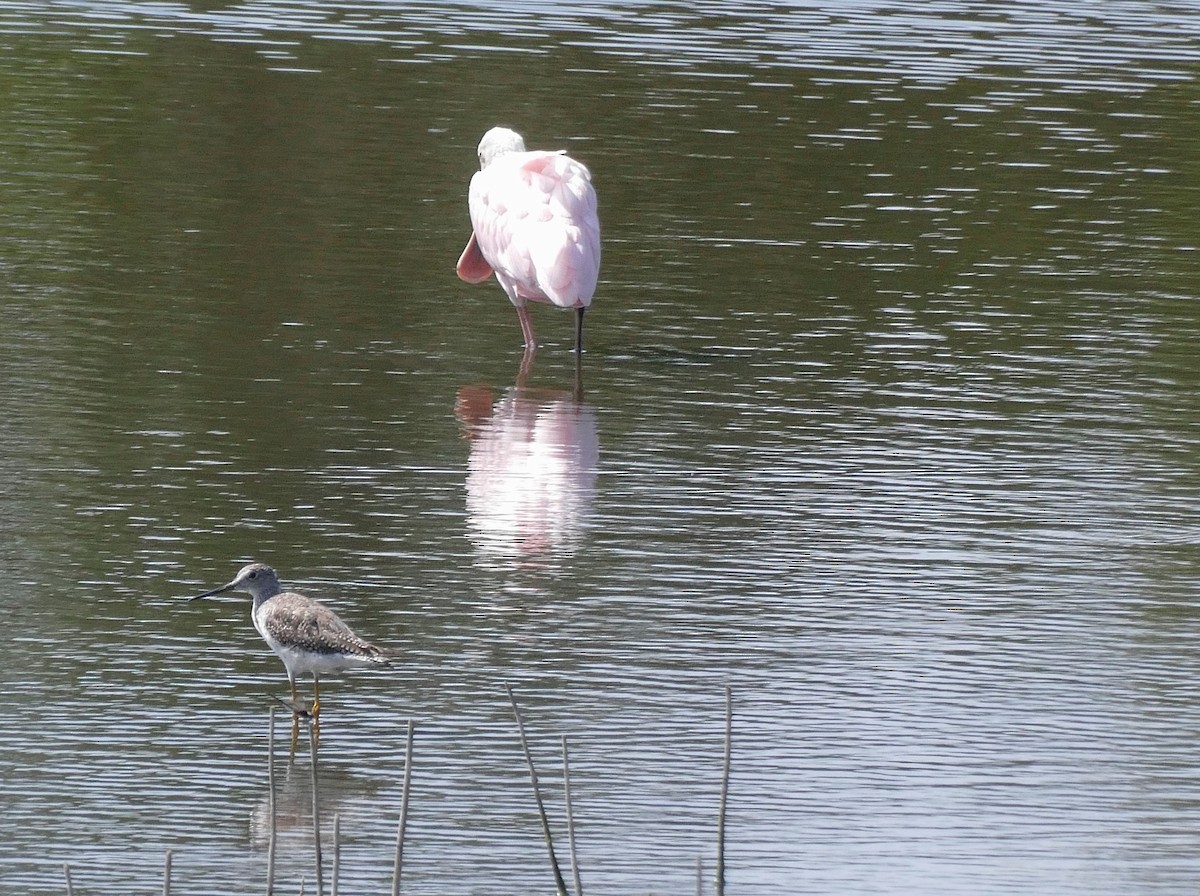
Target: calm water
(890, 420)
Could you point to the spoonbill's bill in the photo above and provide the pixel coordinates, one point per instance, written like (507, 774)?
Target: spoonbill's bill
(534, 224)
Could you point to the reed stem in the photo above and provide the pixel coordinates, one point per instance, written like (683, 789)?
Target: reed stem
(271, 802)
(559, 883)
(337, 852)
(720, 880)
(399, 860)
(570, 819)
(316, 808)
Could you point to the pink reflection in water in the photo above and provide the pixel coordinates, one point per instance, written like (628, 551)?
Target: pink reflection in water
(532, 470)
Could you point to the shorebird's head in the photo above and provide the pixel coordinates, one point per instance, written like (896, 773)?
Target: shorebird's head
(256, 579)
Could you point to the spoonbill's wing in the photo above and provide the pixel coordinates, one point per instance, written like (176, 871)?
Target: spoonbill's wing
(535, 223)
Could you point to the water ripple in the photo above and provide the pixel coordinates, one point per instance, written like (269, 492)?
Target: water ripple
(888, 424)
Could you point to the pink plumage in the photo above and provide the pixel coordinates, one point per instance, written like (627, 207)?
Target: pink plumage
(534, 222)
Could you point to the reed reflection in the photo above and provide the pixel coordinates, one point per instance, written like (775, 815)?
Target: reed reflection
(340, 790)
(531, 474)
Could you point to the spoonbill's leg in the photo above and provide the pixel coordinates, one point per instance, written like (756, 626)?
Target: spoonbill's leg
(579, 330)
(526, 327)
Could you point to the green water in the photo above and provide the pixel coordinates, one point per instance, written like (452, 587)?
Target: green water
(888, 420)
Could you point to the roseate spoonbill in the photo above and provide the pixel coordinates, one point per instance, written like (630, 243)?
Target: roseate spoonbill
(305, 634)
(534, 224)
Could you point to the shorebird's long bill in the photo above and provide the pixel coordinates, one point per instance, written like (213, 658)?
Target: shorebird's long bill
(220, 590)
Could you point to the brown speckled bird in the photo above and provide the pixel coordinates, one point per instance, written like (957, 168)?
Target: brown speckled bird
(305, 634)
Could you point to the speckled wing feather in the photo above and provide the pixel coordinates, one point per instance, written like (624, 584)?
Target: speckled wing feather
(535, 221)
(303, 623)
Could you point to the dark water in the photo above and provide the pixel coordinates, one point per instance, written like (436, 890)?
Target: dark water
(889, 421)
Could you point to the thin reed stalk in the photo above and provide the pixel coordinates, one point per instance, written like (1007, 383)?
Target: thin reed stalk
(271, 802)
(559, 883)
(67, 875)
(316, 808)
(337, 852)
(167, 874)
(397, 864)
(720, 879)
(570, 819)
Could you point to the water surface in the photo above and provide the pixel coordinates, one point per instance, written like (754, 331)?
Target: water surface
(888, 421)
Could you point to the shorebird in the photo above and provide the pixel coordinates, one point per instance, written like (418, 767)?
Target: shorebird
(307, 635)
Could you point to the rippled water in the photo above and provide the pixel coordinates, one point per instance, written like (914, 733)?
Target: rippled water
(888, 421)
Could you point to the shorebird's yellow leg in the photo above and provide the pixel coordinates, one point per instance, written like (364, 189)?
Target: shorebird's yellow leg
(316, 709)
(295, 716)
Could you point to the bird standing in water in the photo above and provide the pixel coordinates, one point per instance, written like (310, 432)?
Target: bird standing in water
(534, 224)
(305, 634)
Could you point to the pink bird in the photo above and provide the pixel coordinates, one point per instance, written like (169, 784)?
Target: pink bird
(533, 217)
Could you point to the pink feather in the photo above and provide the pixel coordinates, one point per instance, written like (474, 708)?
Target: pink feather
(535, 225)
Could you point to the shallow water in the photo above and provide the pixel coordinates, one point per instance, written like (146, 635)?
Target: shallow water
(887, 421)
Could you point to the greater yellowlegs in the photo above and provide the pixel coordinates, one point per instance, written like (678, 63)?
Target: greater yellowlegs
(305, 634)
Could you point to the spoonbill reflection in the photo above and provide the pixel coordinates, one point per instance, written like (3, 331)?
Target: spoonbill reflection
(534, 224)
(531, 474)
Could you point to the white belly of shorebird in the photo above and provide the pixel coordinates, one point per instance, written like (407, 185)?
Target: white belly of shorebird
(302, 662)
